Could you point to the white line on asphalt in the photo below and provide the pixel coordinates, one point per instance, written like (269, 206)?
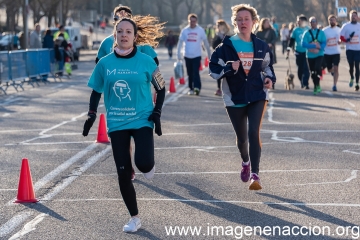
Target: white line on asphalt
(352, 177)
(349, 110)
(58, 86)
(29, 227)
(228, 123)
(20, 130)
(58, 149)
(353, 151)
(229, 172)
(270, 109)
(50, 176)
(76, 173)
(15, 221)
(216, 201)
(6, 114)
(329, 93)
(351, 104)
(8, 190)
(47, 143)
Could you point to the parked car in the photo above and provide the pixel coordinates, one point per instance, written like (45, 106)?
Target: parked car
(75, 38)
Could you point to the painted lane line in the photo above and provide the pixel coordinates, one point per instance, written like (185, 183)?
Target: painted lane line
(29, 227)
(6, 114)
(352, 177)
(4, 190)
(351, 104)
(350, 111)
(228, 123)
(329, 93)
(225, 172)
(353, 151)
(54, 173)
(47, 143)
(20, 130)
(216, 201)
(54, 150)
(15, 221)
(271, 108)
(76, 173)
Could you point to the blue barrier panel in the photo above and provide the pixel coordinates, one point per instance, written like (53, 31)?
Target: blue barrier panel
(4, 67)
(18, 65)
(44, 61)
(32, 62)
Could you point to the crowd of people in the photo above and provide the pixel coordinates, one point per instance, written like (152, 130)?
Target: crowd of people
(241, 61)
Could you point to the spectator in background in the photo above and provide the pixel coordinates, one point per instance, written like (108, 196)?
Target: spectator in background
(15, 42)
(275, 26)
(291, 29)
(284, 37)
(170, 42)
(48, 41)
(222, 30)
(190, 42)
(35, 38)
(267, 33)
(62, 30)
(22, 40)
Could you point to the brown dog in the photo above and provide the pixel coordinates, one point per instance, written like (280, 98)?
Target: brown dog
(289, 81)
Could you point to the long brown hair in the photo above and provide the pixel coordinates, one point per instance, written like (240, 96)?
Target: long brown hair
(147, 28)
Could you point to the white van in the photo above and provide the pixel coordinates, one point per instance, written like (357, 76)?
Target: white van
(75, 38)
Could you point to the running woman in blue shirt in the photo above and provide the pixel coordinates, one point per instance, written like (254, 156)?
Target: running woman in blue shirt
(125, 77)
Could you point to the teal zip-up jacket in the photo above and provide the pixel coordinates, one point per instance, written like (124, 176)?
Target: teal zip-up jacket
(307, 42)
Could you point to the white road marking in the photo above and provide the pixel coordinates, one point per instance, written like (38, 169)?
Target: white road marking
(58, 86)
(264, 123)
(329, 93)
(20, 130)
(58, 149)
(76, 173)
(351, 104)
(29, 227)
(352, 177)
(216, 201)
(225, 172)
(353, 151)
(4, 190)
(50, 176)
(47, 143)
(349, 110)
(6, 114)
(15, 221)
(270, 109)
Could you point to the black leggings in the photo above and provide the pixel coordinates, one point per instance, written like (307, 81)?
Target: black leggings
(354, 61)
(144, 160)
(248, 139)
(315, 69)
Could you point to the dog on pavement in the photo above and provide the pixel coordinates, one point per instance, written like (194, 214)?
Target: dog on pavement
(289, 81)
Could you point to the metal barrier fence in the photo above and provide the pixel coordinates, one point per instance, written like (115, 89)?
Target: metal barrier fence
(28, 66)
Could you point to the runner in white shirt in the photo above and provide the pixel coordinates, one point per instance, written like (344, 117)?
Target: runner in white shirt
(190, 40)
(332, 50)
(350, 33)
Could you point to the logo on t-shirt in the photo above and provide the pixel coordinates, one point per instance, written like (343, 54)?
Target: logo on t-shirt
(246, 59)
(121, 89)
(192, 37)
(354, 39)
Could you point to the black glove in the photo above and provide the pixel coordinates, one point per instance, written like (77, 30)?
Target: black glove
(88, 123)
(155, 117)
(352, 34)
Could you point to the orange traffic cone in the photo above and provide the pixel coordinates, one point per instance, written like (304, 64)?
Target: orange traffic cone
(182, 81)
(102, 136)
(154, 97)
(26, 192)
(201, 67)
(206, 62)
(172, 88)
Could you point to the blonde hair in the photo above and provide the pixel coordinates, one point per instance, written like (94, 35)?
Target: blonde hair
(240, 7)
(223, 23)
(147, 28)
(261, 25)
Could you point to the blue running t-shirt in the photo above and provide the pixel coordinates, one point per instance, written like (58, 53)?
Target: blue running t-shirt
(126, 84)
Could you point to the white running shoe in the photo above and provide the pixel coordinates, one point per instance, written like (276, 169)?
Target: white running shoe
(133, 225)
(150, 175)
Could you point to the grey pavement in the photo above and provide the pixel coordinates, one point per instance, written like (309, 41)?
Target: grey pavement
(309, 166)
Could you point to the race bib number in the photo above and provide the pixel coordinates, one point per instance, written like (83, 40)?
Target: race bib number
(331, 42)
(158, 80)
(192, 37)
(246, 60)
(354, 39)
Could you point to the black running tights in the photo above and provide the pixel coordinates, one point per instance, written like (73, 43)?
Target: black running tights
(144, 160)
(248, 139)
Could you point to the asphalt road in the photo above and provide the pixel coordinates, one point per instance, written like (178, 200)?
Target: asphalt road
(309, 166)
